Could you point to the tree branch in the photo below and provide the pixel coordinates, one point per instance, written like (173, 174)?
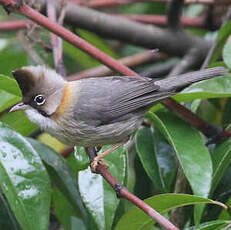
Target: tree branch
(135, 33)
(130, 61)
(110, 3)
(15, 25)
(174, 12)
(189, 61)
(161, 20)
(67, 35)
(122, 192)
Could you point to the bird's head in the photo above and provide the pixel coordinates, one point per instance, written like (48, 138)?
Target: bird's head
(42, 92)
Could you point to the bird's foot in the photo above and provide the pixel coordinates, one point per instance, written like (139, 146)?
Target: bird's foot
(96, 161)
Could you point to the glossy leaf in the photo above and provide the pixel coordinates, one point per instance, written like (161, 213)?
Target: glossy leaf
(65, 212)
(221, 160)
(12, 57)
(227, 54)
(24, 180)
(137, 219)
(226, 214)
(189, 146)
(81, 160)
(96, 41)
(7, 217)
(62, 175)
(157, 157)
(212, 88)
(19, 122)
(79, 56)
(99, 198)
(211, 225)
(9, 92)
(223, 35)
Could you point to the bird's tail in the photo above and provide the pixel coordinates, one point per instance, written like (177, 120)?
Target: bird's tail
(183, 80)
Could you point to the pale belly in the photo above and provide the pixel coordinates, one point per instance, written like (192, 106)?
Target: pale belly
(84, 135)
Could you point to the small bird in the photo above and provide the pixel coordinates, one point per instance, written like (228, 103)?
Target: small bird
(95, 111)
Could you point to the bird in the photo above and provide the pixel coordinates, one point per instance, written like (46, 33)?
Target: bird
(95, 111)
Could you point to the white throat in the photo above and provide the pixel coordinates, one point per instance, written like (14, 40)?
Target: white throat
(45, 123)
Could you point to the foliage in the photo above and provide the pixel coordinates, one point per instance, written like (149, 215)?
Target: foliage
(39, 188)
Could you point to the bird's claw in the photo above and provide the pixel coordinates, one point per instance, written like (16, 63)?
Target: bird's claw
(94, 164)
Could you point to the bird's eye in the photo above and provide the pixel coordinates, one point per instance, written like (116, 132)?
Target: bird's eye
(39, 99)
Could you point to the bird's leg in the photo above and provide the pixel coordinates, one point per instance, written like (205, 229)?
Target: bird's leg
(98, 160)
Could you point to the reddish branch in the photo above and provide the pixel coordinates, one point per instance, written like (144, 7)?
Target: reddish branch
(80, 43)
(161, 20)
(15, 25)
(110, 3)
(130, 61)
(56, 42)
(122, 192)
(209, 130)
(71, 38)
(53, 27)
(67, 152)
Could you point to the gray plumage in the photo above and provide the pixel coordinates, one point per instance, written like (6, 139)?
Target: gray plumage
(106, 110)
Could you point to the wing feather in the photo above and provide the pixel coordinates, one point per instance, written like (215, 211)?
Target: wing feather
(105, 99)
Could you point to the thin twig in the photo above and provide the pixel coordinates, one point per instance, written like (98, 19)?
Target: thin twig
(161, 20)
(15, 25)
(29, 48)
(110, 3)
(228, 227)
(189, 61)
(174, 12)
(159, 70)
(107, 60)
(214, 45)
(130, 61)
(70, 37)
(132, 32)
(122, 192)
(56, 41)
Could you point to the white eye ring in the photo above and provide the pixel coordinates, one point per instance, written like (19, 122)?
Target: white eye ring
(39, 99)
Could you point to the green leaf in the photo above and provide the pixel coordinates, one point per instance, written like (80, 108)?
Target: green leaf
(223, 35)
(12, 57)
(221, 160)
(24, 180)
(157, 157)
(7, 217)
(80, 159)
(62, 175)
(193, 156)
(212, 88)
(9, 85)
(79, 56)
(19, 122)
(226, 214)
(227, 54)
(64, 211)
(99, 198)
(137, 219)
(189, 146)
(211, 225)
(10, 93)
(97, 42)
